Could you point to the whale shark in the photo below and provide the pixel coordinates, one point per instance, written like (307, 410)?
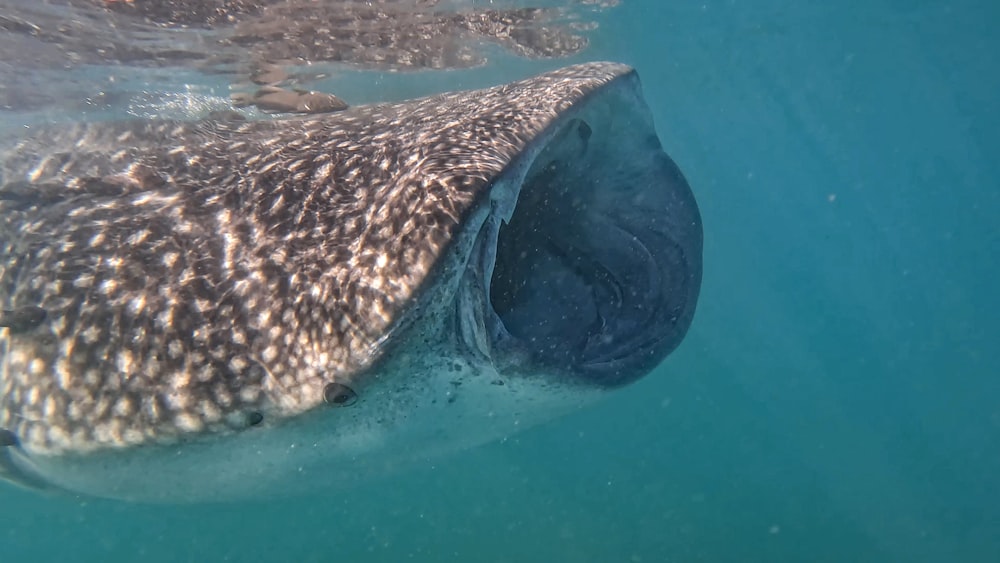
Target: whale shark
(226, 308)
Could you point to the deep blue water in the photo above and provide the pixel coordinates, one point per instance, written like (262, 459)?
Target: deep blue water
(838, 397)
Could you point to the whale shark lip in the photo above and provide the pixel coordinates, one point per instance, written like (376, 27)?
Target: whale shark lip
(588, 266)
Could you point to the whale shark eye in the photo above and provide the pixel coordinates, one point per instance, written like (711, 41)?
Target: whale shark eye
(339, 395)
(7, 438)
(255, 418)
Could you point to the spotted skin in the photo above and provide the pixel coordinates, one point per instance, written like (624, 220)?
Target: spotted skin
(197, 276)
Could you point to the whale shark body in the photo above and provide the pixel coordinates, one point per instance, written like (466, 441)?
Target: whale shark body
(223, 308)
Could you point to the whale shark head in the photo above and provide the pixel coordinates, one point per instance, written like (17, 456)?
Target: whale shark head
(221, 309)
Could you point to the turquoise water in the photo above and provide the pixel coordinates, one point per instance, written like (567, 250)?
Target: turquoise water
(838, 397)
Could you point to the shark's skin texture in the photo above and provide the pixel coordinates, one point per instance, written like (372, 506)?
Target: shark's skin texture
(186, 305)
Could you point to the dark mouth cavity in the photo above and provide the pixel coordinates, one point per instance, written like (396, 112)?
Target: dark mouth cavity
(582, 281)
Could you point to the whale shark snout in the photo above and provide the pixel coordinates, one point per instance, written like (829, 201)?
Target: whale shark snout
(224, 309)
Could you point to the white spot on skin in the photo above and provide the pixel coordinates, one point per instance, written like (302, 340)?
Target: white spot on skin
(132, 436)
(264, 318)
(152, 408)
(170, 258)
(123, 407)
(237, 364)
(269, 354)
(124, 362)
(249, 394)
(138, 237)
(188, 422)
(83, 281)
(36, 172)
(92, 378)
(64, 373)
(137, 305)
(60, 438)
(177, 400)
(36, 367)
(91, 335)
(316, 292)
(205, 374)
(274, 333)
(323, 173)
(50, 407)
(223, 398)
(175, 349)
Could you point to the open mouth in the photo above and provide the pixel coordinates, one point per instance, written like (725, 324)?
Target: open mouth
(593, 268)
